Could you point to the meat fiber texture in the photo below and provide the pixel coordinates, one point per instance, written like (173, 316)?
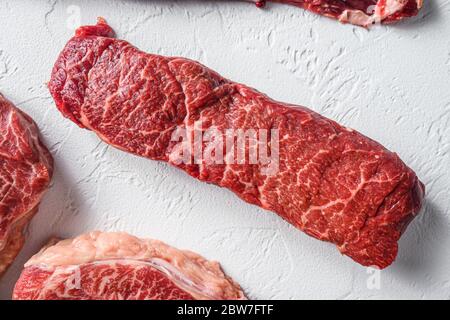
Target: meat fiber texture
(118, 266)
(333, 183)
(26, 168)
(358, 12)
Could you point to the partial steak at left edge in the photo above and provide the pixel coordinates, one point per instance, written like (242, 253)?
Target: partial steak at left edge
(26, 168)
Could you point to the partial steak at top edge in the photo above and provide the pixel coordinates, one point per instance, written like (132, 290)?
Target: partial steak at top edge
(358, 12)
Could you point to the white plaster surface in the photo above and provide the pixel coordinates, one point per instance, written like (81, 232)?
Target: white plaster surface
(391, 83)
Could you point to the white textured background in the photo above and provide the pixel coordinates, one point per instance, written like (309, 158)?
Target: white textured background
(392, 84)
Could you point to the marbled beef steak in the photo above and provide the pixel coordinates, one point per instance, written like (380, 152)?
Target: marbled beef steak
(332, 182)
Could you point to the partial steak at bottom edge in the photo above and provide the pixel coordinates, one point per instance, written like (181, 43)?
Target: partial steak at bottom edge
(118, 266)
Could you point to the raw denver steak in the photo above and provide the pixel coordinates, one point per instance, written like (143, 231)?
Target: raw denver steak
(117, 266)
(359, 12)
(25, 171)
(333, 183)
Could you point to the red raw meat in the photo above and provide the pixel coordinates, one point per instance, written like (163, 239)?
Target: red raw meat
(118, 266)
(26, 168)
(359, 12)
(333, 183)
